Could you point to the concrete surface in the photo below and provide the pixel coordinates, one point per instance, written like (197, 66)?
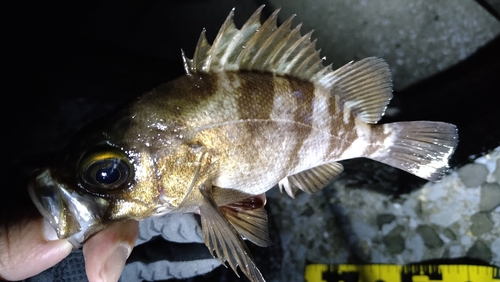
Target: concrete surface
(418, 38)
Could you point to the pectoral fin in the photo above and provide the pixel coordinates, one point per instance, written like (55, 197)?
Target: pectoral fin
(311, 180)
(249, 218)
(222, 237)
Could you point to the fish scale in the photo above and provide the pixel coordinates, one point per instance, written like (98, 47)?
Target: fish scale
(255, 109)
(308, 143)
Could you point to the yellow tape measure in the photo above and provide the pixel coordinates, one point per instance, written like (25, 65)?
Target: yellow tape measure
(400, 273)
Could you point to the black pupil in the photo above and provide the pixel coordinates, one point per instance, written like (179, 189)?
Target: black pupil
(108, 173)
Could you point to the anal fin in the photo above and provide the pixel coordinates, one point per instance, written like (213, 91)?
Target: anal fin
(311, 180)
(222, 237)
(249, 218)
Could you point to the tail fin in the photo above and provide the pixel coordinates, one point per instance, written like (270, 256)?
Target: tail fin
(422, 148)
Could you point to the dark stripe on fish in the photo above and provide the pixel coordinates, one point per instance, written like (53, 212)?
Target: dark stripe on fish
(377, 139)
(349, 132)
(302, 93)
(255, 94)
(205, 84)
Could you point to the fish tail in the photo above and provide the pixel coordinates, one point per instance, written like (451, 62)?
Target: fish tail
(422, 148)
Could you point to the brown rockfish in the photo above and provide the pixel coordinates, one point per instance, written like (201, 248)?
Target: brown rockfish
(255, 109)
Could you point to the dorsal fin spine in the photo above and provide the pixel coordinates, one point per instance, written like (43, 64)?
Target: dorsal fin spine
(201, 48)
(308, 59)
(232, 44)
(291, 66)
(188, 63)
(283, 29)
(287, 65)
(228, 24)
(220, 44)
(281, 58)
(245, 54)
(255, 18)
(313, 68)
(294, 45)
(267, 26)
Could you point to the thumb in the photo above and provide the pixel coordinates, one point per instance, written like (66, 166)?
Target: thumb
(106, 252)
(28, 248)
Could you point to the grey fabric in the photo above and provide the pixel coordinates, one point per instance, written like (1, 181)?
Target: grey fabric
(170, 246)
(163, 270)
(180, 228)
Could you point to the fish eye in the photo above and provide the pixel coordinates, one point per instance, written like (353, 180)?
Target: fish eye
(105, 170)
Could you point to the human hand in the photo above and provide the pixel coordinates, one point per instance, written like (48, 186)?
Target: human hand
(29, 246)
(106, 252)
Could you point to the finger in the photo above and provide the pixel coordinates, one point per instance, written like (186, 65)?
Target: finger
(106, 252)
(28, 248)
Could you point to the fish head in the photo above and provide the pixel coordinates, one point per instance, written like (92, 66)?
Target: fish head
(107, 173)
(76, 197)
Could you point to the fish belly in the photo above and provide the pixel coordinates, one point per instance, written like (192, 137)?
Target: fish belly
(252, 156)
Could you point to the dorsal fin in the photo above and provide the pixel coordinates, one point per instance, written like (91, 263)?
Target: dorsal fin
(365, 87)
(256, 46)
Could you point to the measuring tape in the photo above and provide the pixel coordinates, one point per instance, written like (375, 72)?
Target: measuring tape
(401, 273)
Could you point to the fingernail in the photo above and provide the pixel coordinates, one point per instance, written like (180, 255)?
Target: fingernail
(113, 266)
(49, 232)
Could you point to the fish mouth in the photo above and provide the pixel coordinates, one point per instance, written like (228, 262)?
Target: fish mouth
(74, 216)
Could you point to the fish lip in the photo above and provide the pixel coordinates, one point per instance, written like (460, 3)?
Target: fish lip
(74, 216)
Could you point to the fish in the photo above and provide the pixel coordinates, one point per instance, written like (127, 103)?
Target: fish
(255, 109)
